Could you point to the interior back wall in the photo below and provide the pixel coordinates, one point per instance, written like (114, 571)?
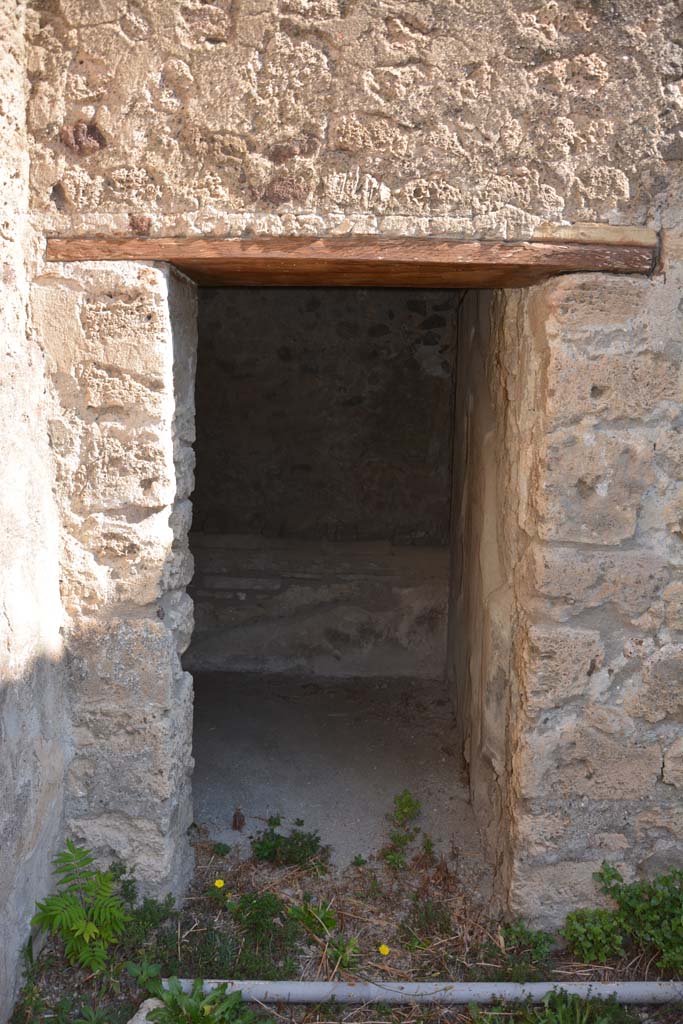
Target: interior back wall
(323, 413)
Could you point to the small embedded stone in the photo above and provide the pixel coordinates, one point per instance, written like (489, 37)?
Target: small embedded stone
(140, 223)
(82, 138)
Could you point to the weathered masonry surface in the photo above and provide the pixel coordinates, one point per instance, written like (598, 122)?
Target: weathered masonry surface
(568, 654)
(309, 120)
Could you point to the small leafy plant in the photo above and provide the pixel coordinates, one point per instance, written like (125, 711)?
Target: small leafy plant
(195, 1006)
(344, 953)
(648, 916)
(520, 954)
(594, 935)
(221, 849)
(558, 1008)
(406, 808)
(317, 918)
(297, 848)
(258, 913)
(85, 912)
(395, 853)
(92, 1015)
(144, 922)
(526, 942)
(427, 920)
(428, 847)
(147, 976)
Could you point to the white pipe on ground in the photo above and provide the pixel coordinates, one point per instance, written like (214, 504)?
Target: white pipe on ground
(446, 992)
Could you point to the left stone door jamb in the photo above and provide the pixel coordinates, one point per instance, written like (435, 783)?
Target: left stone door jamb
(120, 342)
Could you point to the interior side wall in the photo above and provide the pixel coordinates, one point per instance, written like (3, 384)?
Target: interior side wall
(33, 743)
(485, 545)
(322, 502)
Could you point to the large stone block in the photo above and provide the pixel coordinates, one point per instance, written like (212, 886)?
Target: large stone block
(544, 894)
(567, 758)
(606, 386)
(121, 467)
(556, 665)
(658, 693)
(672, 768)
(134, 557)
(595, 310)
(161, 858)
(571, 580)
(673, 604)
(589, 485)
(115, 394)
(125, 664)
(108, 315)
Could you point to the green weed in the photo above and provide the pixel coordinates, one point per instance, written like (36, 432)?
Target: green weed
(559, 1008)
(594, 936)
(521, 956)
(92, 1015)
(428, 846)
(195, 1006)
(146, 975)
(268, 936)
(144, 921)
(86, 912)
(126, 884)
(344, 953)
(298, 848)
(648, 916)
(395, 853)
(257, 914)
(527, 943)
(317, 918)
(406, 808)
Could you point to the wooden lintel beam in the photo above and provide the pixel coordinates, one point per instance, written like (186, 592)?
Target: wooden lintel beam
(363, 260)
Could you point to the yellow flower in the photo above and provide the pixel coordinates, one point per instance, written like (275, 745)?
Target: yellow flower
(384, 949)
(219, 883)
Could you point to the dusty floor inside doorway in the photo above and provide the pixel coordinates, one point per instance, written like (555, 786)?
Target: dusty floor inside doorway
(333, 752)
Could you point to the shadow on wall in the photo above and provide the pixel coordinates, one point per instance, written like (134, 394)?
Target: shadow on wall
(34, 748)
(94, 744)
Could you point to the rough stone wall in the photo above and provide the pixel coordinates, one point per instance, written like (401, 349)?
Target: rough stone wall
(309, 116)
(325, 413)
(33, 744)
(571, 592)
(596, 768)
(120, 345)
(324, 116)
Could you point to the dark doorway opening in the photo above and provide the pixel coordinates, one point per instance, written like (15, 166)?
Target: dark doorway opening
(322, 519)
